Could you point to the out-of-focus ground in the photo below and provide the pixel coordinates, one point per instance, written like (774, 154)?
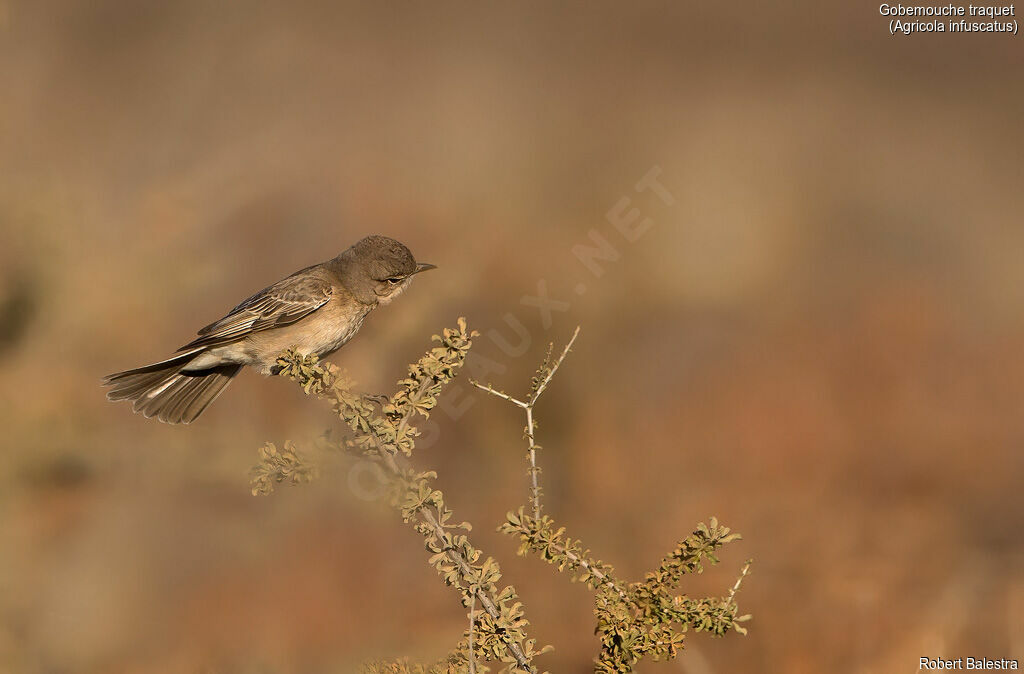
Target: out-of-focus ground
(819, 342)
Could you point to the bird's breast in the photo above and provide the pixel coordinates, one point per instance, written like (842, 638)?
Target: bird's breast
(323, 332)
(327, 329)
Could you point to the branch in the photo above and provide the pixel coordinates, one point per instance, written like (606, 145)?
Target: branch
(540, 382)
(383, 435)
(634, 620)
(540, 536)
(501, 394)
(743, 574)
(551, 372)
(472, 619)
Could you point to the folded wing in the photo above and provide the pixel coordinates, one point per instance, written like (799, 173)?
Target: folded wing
(283, 303)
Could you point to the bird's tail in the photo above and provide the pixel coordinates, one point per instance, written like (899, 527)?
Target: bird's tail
(164, 391)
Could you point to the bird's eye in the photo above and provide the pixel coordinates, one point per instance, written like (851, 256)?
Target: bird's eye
(393, 281)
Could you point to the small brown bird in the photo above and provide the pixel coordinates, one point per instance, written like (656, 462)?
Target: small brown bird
(315, 311)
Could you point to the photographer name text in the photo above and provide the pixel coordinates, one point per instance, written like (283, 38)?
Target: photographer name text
(935, 664)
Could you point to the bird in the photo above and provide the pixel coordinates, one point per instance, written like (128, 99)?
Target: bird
(315, 311)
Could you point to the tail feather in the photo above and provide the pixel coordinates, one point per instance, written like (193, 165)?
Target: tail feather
(179, 360)
(168, 406)
(164, 391)
(152, 401)
(130, 386)
(188, 402)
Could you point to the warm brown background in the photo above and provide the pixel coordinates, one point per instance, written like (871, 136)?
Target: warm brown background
(819, 342)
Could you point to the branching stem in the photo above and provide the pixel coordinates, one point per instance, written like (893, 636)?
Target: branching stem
(532, 446)
(635, 620)
(551, 372)
(487, 602)
(596, 573)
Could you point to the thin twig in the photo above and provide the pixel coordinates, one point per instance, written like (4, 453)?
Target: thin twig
(743, 574)
(500, 394)
(551, 373)
(534, 479)
(530, 424)
(596, 573)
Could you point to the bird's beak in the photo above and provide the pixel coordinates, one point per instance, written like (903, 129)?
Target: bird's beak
(424, 266)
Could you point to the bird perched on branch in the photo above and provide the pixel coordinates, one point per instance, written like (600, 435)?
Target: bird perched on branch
(315, 311)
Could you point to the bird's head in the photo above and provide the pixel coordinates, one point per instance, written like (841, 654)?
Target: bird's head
(380, 268)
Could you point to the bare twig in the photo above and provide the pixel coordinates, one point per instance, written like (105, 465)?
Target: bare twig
(495, 392)
(739, 581)
(534, 470)
(528, 405)
(551, 373)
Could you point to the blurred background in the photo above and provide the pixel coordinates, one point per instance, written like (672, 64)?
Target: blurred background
(818, 341)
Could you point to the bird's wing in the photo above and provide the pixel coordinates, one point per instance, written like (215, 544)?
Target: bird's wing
(283, 303)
